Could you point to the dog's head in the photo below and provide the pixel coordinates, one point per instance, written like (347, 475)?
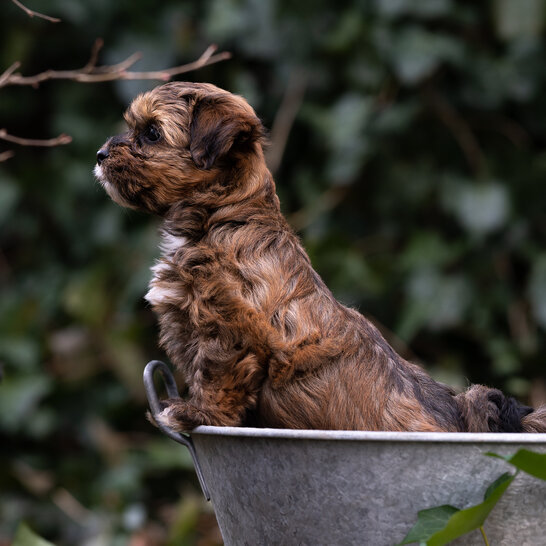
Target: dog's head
(181, 137)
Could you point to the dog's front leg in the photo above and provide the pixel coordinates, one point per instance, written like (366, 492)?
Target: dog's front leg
(220, 397)
(183, 415)
(296, 359)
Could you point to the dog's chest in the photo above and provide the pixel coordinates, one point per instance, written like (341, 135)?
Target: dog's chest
(163, 288)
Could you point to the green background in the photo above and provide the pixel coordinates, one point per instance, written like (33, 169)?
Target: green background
(408, 144)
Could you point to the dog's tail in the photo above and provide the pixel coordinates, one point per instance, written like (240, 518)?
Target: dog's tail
(489, 410)
(535, 421)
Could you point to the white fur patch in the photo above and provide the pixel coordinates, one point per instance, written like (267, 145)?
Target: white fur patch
(165, 417)
(161, 291)
(171, 243)
(108, 186)
(159, 268)
(159, 295)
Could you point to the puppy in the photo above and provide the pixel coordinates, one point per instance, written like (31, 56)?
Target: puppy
(257, 335)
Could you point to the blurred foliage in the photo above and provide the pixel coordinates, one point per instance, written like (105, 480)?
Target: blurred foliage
(413, 170)
(26, 537)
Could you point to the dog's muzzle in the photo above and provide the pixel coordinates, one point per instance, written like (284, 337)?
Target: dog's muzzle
(102, 154)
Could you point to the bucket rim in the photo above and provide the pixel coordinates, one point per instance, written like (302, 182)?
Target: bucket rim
(373, 436)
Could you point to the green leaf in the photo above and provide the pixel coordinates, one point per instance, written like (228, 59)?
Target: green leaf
(528, 461)
(518, 19)
(429, 523)
(9, 195)
(416, 53)
(498, 487)
(20, 398)
(481, 208)
(26, 537)
(161, 455)
(536, 290)
(441, 525)
(435, 301)
(423, 8)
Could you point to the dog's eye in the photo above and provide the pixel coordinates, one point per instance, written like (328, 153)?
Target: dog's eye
(152, 134)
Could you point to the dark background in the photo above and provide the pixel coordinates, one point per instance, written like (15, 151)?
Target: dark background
(408, 144)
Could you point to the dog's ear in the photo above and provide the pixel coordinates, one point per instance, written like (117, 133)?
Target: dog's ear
(218, 127)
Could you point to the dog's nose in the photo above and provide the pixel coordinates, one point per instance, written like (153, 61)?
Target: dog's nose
(102, 154)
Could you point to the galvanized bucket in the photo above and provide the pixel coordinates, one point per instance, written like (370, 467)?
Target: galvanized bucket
(312, 487)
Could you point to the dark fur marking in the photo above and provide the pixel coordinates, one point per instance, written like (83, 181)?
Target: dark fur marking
(511, 412)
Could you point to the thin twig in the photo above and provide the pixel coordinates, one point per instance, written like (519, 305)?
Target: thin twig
(72, 507)
(119, 67)
(91, 73)
(32, 13)
(8, 154)
(61, 139)
(167, 74)
(92, 63)
(459, 128)
(284, 119)
(325, 202)
(7, 73)
(508, 128)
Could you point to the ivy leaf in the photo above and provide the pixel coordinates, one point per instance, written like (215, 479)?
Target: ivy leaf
(516, 20)
(441, 525)
(528, 461)
(26, 537)
(429, 523)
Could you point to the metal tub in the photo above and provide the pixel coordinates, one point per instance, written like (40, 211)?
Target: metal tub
(312, 487)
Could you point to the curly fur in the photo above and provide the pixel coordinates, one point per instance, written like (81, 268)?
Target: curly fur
(253, 329)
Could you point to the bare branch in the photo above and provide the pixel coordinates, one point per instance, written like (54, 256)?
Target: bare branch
(120, 67)
(4, 156)
(61, 139)
(459, 128)
(32, 13)
(91, 73)
(206, 59)
(325, 202)
(91, 66)
(97, 46)
(286, 115)
(4, 77)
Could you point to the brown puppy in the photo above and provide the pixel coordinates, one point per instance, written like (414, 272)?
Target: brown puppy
(257, 335)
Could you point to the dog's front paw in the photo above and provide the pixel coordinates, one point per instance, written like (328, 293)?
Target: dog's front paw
(180, 416)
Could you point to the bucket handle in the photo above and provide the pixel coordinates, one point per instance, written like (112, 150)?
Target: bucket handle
(155, 408)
